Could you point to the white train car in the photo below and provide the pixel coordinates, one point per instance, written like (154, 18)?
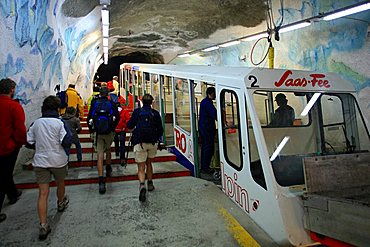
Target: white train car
(288, 178)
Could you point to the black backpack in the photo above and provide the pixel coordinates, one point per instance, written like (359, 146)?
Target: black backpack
(102, 115)
(146, 127)
(63, 99)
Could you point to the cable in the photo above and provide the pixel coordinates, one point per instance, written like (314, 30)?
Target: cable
(251, 55)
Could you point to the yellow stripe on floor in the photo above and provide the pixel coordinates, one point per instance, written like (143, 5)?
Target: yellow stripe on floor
(237, 231)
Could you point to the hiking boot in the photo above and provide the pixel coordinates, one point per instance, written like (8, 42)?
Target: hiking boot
(150, 186)
(108, 170)
(123, 163)
(44, 231)
(102, 188)
(2, 217)
(63, 204)
(16, 198)
(142, 195)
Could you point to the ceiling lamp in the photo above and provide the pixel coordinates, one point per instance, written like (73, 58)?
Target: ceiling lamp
(211, 48)
(294, 27)
(347, 11)
(231, 43)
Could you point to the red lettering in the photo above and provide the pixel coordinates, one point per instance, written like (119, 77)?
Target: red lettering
(183, 143)
(283, 78)
(180, 141)
(317, 80)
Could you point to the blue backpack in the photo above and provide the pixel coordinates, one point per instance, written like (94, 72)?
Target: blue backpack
(102, 115)
(63, 99)
(146, 127)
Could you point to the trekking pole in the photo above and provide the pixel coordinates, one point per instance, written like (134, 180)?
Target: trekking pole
(127, 149)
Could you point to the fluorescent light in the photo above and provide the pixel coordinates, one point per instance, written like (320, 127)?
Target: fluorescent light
(294, 27)
(105, 49)
(235, 42)
(105, 42)
(211, 48)
(184, 55)
(310, 104)
(255, 37)
(105, 16)
(279, 148)
(105, 58)
(105, 31)
(346, 12)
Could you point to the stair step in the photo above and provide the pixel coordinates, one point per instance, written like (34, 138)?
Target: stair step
(87, 175)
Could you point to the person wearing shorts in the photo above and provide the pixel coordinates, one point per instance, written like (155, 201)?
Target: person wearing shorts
(145, 151)
(49, 135)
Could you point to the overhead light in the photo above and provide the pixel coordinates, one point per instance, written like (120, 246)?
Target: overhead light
(105, 58)
(346, 12)
(255, 37)
(184, 55)
(105, 41)
(279, 148)
(310, 104)
(235, 42)
(105, 31)
(105, 49)
(211, 48)
(105, 16)
(294, 27)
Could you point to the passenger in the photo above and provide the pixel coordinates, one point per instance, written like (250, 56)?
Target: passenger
(284, 114)
(120, 136)
(146, 125)
(74, 125)
(12, 137)
(50, 158)
(207, 128)
(95, 94)
(75, 100)
(102, 119)
(116, 85)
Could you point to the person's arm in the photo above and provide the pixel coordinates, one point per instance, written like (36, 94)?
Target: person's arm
(31, 135)
(78, 125)
(133, 120)
(212, 110)
(80, 107)
(19, 128)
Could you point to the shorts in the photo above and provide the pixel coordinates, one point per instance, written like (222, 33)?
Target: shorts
(104, 142)
(43, 175)
(147, 150)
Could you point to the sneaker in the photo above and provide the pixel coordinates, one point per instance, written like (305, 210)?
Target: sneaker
(44, 231)
(102, 188)
(123, 163)
(150, 186)
(108, 170)
(2, 217)
(16, 198)
(142, 195)
(63, 204)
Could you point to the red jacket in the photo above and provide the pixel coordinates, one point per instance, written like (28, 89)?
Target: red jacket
(124, 117)
(12, 127)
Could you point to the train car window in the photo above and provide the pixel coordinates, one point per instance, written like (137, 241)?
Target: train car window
(155, 92)
(280, 109)
(146, 83)
(231, 131)
(343, 126)
(182, 104)
(198, 98)
(167, 95)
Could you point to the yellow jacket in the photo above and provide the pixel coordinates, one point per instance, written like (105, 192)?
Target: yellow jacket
(90, 99)
(75, 100)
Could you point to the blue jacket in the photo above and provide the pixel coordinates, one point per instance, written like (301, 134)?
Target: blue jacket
(207, 116)
(135, 139)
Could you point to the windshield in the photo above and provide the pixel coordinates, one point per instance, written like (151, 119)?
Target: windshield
(297, 125)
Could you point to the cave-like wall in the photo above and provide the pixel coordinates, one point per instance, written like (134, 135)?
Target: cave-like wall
(341, 46)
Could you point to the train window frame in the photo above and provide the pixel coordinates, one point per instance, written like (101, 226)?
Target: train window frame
(224, 128)
(271, 105)
(175, 109)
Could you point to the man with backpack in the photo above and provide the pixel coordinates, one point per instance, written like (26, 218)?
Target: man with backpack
(73, 99)
(147, 129)
(102, 119)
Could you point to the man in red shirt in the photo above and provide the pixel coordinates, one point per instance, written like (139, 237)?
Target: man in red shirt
(12, 137)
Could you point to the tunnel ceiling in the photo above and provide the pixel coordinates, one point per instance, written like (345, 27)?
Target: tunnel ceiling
(169, 26)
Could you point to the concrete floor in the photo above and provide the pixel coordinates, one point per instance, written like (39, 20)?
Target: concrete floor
(183, 211)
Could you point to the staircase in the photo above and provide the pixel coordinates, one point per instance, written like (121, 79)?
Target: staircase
(85, 172)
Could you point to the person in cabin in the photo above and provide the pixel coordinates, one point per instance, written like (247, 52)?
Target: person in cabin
(284, 115)
(146, 124)
(74, 126)
(74, 99)
(207, 128)
(12, 137)
(50, 137)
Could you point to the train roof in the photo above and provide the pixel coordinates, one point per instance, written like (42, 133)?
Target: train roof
(262, 78)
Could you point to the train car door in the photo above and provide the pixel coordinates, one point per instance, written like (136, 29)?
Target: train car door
(167, 109)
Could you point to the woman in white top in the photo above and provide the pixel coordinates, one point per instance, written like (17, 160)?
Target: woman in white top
(49, 135)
